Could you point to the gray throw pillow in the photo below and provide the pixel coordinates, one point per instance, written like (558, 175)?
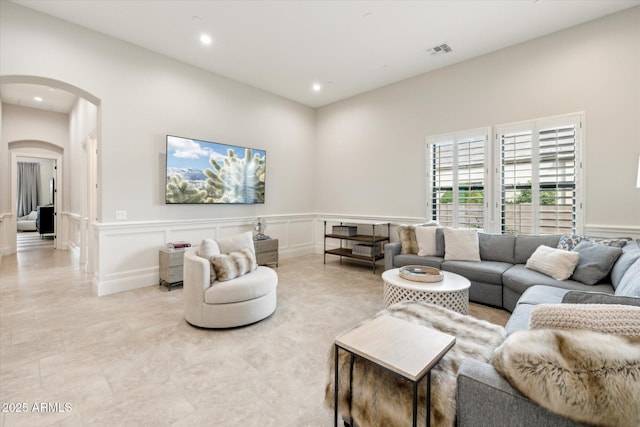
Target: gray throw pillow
(596, 261)
(630, 253)
(582, 297)
(630, 284)
(570, 241)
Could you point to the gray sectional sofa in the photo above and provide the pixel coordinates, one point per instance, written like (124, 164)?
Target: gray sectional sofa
(500, 278)
(484, 397)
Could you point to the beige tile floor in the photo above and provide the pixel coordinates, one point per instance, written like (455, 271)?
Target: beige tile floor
(131, 359)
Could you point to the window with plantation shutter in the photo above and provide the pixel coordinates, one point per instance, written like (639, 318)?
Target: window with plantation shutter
(457, 178)
(522, 178)
(538, 175)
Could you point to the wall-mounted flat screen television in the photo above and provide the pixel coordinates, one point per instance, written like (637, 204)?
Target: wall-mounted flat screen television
(203, 172)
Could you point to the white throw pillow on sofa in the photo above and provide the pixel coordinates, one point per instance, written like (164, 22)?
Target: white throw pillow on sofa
(556, 263)
(461, 245)
(426, 237)
(236, 243)
(208, 248)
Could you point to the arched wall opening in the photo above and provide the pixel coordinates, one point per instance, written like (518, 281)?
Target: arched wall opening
(37, 150)
(78, 162)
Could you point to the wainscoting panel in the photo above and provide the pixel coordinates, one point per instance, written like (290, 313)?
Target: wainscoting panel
(72, 231)
(128, 251)
(612, 231)
(334, 219)
(8, 228)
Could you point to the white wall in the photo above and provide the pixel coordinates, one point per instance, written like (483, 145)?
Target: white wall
(82, 124)
(34, 133)
(361, 157)
(371, 148)
(142, 96)
(22, 123)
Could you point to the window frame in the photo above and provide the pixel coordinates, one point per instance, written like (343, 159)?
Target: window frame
(455, 138)
(493, 168)
(535, 126)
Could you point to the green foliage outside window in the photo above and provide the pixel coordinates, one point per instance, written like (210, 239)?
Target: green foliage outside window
(464, 196)
(546, 197)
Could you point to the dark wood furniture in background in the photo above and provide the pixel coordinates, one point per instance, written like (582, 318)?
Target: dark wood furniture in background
(44, 222)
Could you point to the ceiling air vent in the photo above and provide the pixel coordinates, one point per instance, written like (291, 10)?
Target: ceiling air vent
(439, 50)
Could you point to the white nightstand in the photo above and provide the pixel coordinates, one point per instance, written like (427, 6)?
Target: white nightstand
(171, 267)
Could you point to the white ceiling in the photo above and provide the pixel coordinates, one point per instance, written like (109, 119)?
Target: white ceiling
(349, 47)
(55, 100)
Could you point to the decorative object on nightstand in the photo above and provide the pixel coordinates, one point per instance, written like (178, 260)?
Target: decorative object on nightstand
(266, 251)
(259, 226)
(171, 260)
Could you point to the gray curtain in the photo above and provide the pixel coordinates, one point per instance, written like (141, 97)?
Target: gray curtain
(28, 187)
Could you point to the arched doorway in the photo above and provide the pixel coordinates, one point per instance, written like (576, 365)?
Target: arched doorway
(44, 153)
(80, 165)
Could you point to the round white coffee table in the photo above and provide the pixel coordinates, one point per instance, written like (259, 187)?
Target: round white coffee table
(452, 292)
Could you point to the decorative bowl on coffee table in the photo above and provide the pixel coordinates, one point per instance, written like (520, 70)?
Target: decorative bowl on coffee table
(421, 273)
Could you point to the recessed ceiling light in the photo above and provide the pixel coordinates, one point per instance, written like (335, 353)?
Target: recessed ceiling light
(37, 98)
(205, 39)
(316, 87)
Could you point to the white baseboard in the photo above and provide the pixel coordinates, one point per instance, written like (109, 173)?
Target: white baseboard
(131, 280)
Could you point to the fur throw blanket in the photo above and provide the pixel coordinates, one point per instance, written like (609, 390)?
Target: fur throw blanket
(586, 376)
(372, 396)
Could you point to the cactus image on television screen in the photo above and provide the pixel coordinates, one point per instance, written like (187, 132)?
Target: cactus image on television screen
(210, 172)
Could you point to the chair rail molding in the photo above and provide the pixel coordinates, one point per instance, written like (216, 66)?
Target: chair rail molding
(127, 252)
(602, 230)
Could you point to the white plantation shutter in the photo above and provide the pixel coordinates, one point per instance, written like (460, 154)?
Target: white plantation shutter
(456, 179)
(517, 169)
(535, 180)
(539, 175)
(471, 181)
(443, 174)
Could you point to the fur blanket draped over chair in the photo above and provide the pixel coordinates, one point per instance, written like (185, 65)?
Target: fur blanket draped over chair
(371, 396)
